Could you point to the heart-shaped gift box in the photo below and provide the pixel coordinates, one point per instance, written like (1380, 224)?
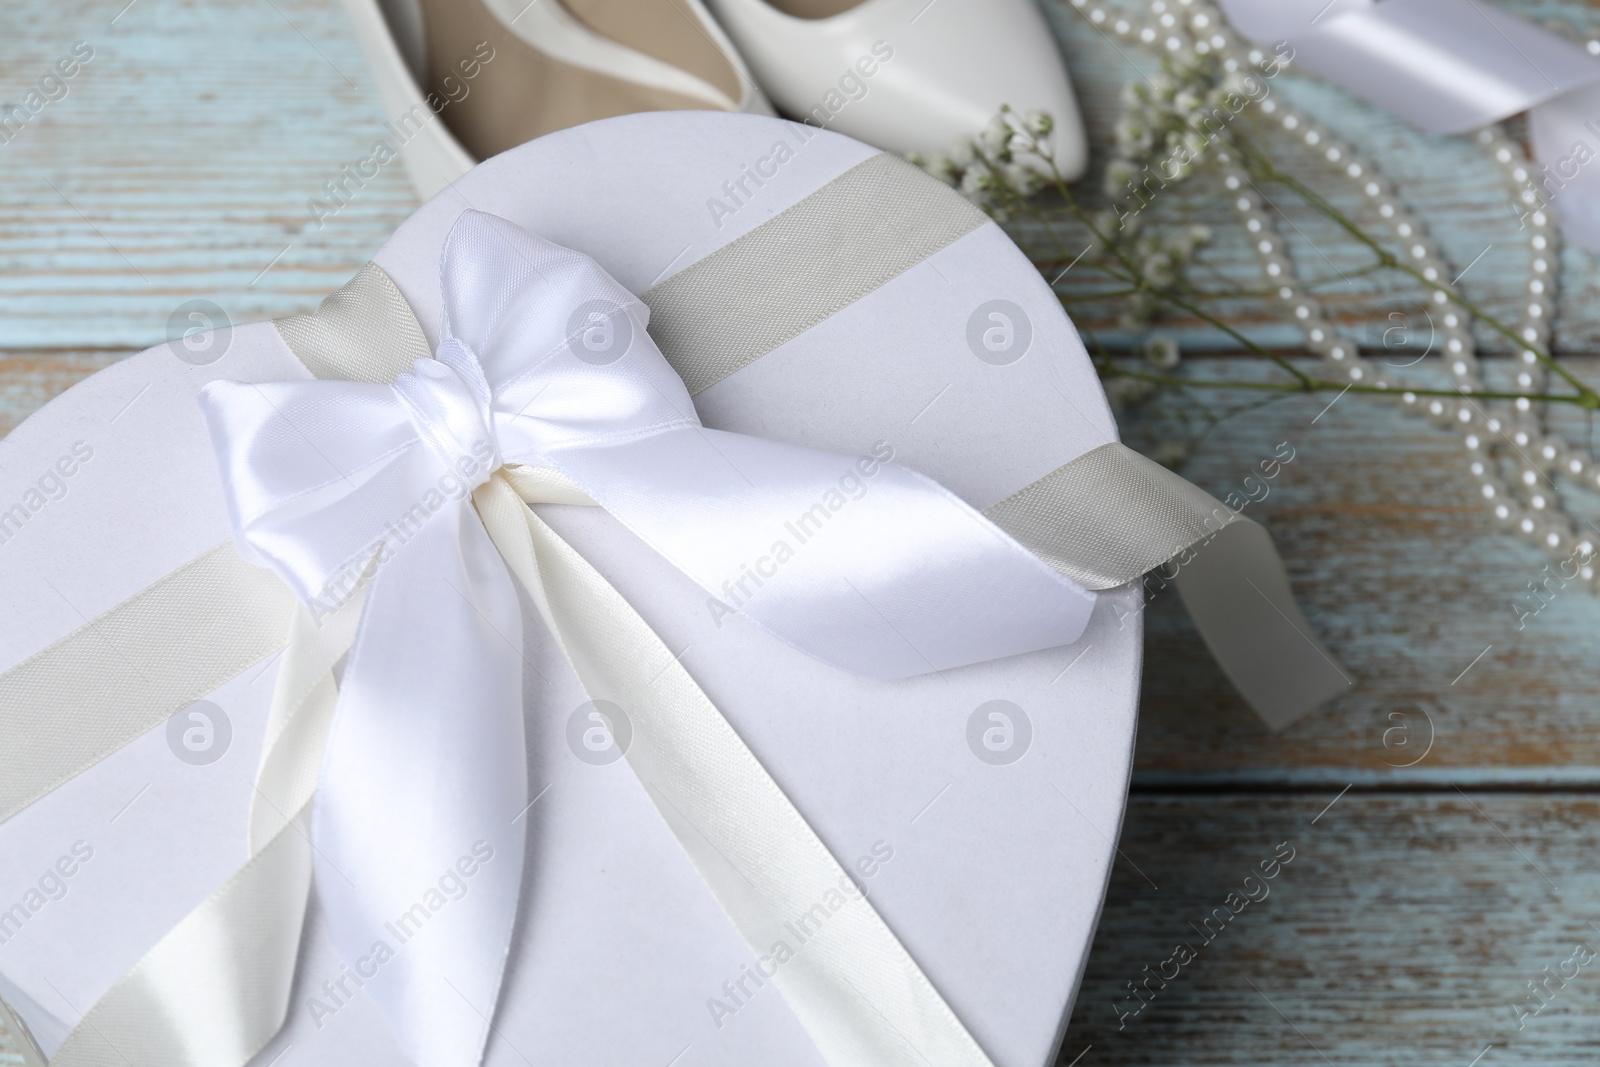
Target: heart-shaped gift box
(808, 290)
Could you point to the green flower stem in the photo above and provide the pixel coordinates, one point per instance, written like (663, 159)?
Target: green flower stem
(1172, 298)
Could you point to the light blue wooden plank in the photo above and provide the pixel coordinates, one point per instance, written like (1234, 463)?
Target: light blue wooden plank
(180, 165)
(1403, 932)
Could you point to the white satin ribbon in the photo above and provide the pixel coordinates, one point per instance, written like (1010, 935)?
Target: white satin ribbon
(544, 363)
(1454, 65)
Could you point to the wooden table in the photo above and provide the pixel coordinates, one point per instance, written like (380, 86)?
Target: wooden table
(1442, 815)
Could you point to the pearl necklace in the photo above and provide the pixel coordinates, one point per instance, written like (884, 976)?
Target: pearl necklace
(1529, 504)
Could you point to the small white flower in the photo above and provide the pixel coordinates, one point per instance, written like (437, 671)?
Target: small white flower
(1159, 269)
(1120, 176)
(1162, 352)
(996, 137)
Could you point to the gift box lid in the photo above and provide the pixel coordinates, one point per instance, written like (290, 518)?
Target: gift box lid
(979, 806)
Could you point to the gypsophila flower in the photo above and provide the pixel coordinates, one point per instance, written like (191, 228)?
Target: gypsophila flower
(1125, 393)
(1119, 178)
(1162, 352)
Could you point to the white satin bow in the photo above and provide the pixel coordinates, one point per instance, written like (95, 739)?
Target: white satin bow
(545, 363)
(1449, 66)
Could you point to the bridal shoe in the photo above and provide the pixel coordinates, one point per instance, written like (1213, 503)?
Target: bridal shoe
(910, 76)
(462, 80)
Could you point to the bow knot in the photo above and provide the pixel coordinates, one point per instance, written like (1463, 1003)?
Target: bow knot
(450, 404)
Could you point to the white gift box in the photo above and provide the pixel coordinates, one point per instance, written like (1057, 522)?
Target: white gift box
(978, 807)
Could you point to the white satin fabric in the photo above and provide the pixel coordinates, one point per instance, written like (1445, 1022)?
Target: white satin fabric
(1454, 65)
(544, 362)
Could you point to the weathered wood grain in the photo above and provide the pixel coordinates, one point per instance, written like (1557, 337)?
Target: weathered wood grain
(179, 165)
(1402, 571)
(1402, 932)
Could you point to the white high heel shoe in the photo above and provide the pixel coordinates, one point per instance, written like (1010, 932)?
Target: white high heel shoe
(908, 75)
(462, 80)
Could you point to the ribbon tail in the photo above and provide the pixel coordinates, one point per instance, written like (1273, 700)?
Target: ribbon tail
(419, 855)
(215, 989)
(854, 987)
(1228, 571)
